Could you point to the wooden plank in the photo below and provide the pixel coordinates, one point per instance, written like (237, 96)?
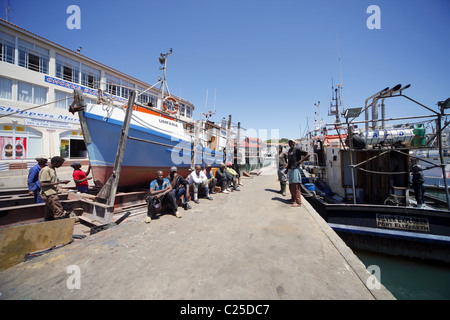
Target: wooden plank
(16, 242)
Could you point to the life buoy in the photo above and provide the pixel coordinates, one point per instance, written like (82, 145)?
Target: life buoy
(175, 105)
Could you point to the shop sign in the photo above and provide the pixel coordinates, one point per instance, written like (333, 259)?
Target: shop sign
(48, 124)
(18, 112)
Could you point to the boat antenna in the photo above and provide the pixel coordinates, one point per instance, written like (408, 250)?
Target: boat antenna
(318, 113)
(163, 61)
(339, 86)
(207, 113)
(7, 10)
(215, 92)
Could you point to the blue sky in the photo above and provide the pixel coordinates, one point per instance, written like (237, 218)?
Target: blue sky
(268, 61)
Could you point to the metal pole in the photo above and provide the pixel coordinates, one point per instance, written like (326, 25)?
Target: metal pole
(227, 148)
(108, 193)
(441, 155)
(350, 140)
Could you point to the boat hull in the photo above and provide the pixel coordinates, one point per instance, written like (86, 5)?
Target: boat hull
(153, 144)
(395, 230)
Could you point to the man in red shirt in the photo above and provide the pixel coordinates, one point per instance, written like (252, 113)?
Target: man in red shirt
(80, 177)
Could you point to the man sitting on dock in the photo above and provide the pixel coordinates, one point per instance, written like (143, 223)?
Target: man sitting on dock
(233, 176)
(161, 192)
(49, 190)
(198, 179)
(180, 187)
(212, 182)
(222, 178)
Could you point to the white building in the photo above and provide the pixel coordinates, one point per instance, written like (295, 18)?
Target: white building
(36, 72)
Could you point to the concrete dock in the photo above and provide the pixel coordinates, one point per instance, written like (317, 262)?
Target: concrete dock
(246, 245)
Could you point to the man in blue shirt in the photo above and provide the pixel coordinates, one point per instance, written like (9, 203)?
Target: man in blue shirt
(34, 186)
(161, 192)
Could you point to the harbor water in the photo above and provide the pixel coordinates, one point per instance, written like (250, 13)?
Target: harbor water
(413, 279)
(409, 279)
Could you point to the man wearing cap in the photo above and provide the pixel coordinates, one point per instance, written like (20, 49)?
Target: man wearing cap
(180, 187)
(49, 190)
(34, 186)
(80, 177)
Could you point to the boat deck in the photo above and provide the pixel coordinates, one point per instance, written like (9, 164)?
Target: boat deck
(247, 245)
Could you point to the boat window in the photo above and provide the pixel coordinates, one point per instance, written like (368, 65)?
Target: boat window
(188, 112)
(182, 109)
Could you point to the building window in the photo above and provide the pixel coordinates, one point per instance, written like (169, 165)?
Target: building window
(7, 47)
(90, 77)
(67, 69)
(65, 103)
(118, 87)
(127, 87)
(5, 88)
(33, 57)
(147, 98)
(112, 85)
(19, 142)
(30, 93)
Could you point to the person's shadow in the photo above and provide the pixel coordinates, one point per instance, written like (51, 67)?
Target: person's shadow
(284, 200)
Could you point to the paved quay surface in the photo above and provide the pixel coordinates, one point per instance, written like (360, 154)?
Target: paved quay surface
(247, 245)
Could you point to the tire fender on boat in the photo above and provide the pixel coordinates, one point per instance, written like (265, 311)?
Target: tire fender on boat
(175, 105)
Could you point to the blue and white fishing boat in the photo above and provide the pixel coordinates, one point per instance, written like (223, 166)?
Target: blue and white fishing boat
(157, 139)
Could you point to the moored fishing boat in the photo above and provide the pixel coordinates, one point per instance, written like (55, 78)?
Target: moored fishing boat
(362, 187)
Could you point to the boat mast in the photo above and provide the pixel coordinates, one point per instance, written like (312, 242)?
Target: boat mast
(163, 61)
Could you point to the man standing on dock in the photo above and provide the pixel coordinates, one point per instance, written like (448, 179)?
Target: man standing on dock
(80, 177)
(282, 162)
(34, 188)
(295, 157)
(49, 190)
